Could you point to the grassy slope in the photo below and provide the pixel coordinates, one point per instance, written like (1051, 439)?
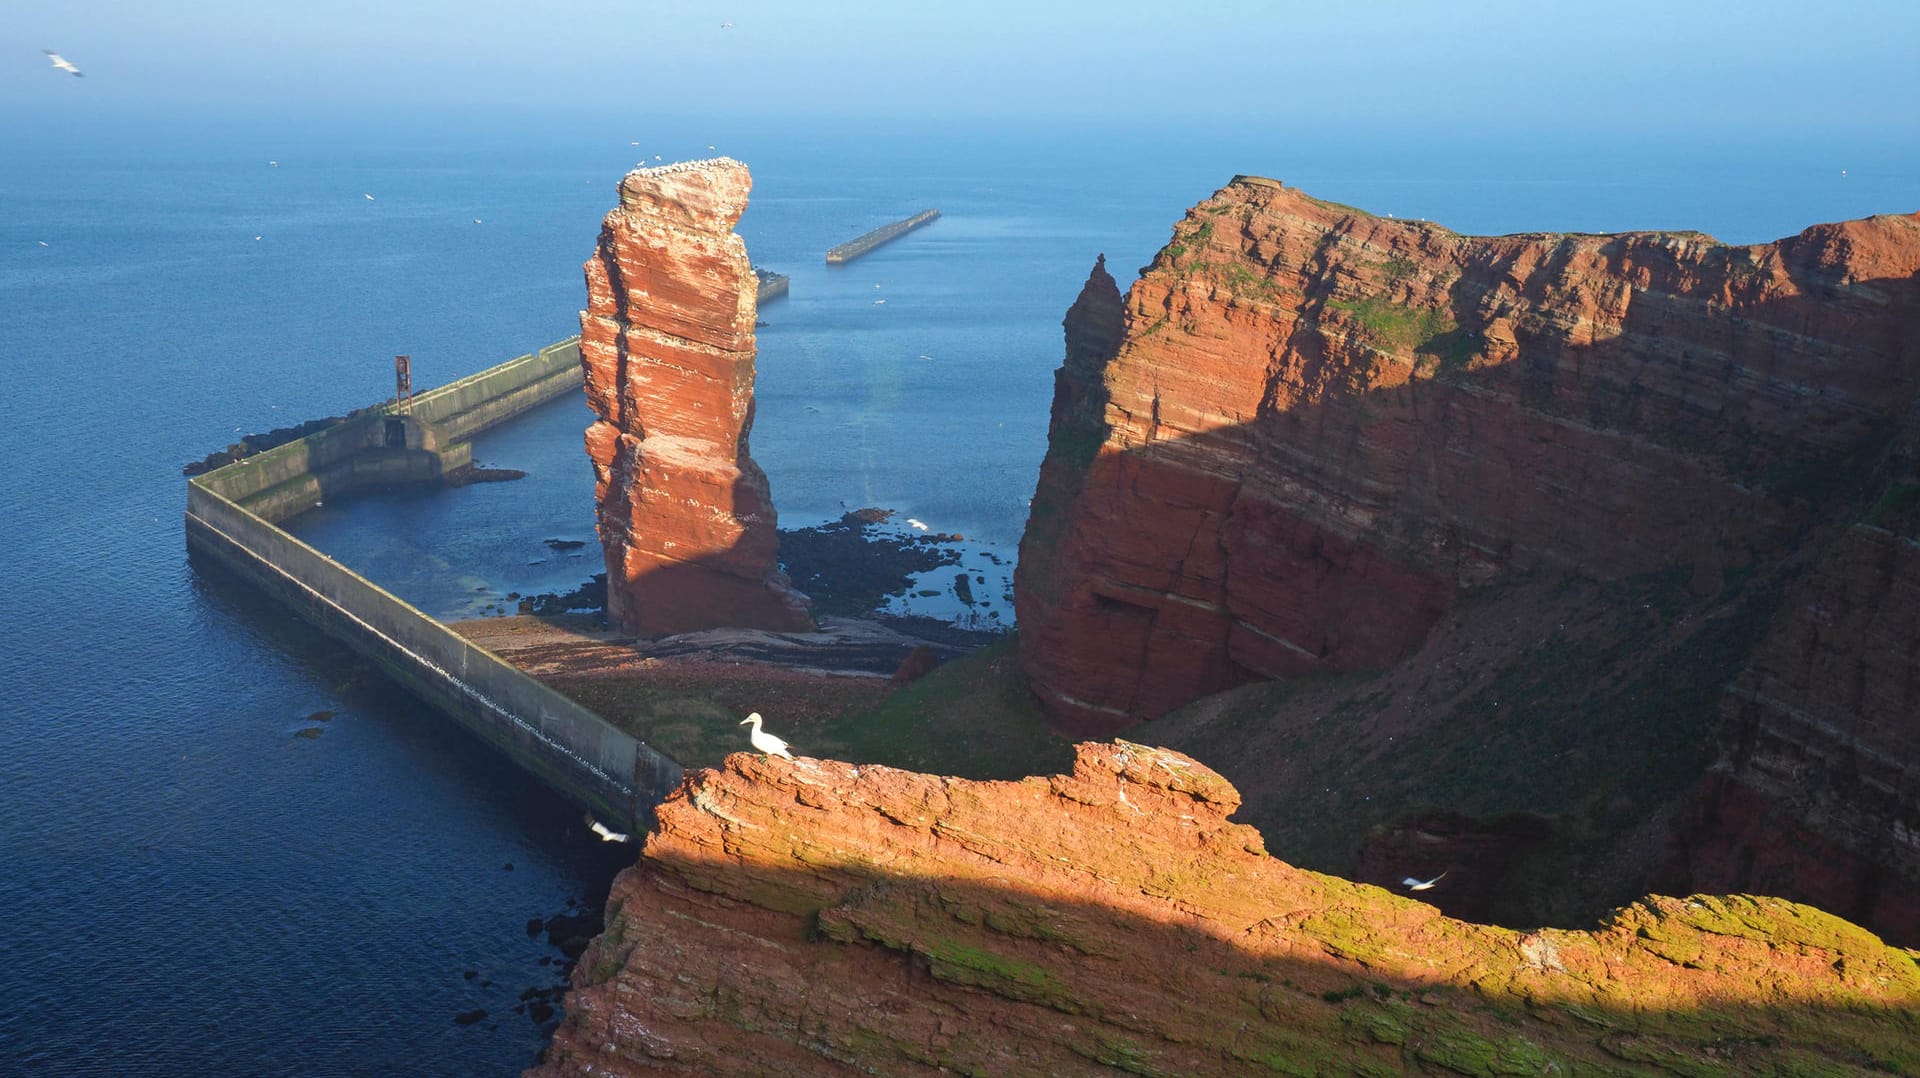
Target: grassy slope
(971, 717)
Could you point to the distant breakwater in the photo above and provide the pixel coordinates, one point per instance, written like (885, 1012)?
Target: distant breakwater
(866, 242)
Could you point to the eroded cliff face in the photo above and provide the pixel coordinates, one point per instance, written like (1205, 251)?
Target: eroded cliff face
(1609, 544)
(811, 917)
(1322, 428)
(1815, 786)
(685, 517)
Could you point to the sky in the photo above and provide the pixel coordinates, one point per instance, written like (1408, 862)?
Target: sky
(1536, 66)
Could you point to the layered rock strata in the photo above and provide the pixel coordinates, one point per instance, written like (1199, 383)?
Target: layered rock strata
(815, 917)
(685, 516)
(1815, 788)
(1321, 428)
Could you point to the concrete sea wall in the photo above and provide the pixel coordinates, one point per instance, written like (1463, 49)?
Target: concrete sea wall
(865, 242)
(231, 518)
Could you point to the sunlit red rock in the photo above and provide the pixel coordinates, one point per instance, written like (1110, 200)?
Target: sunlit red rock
(685, 516)
(813, 917)
(1321, 428)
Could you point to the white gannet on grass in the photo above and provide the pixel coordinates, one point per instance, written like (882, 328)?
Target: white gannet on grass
(606, 833)
(764, 741)
(1412, 884)
(61, 63)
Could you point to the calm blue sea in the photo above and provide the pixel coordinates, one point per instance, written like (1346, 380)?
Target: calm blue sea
(191, 884)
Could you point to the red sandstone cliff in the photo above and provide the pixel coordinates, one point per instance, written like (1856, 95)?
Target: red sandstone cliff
(1322, 427)
(813, 917)
(1507, 516)
(685, 517)
(1815, 789)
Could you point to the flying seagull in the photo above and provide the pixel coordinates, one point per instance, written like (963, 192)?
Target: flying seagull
(1412, 884)
(368, 197)
(764, 741)
(916, 524)
(61, 63)
(606, 833)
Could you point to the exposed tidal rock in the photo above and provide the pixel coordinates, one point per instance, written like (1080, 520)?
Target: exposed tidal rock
(1320, 428)
(685, 517)
(804, 917)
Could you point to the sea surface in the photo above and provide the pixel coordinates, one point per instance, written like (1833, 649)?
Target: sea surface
(227, 847)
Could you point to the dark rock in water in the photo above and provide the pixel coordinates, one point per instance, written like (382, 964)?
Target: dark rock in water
(963, 588)
(467, 1018)
(535, 926)
(540, 1012)
(470, 474)
(565, 544)
(918, 664)
(471, 974)
(508, 866)
(310, 732)
(589, 596)
(320, 716)
(849, 569)
(572, 932)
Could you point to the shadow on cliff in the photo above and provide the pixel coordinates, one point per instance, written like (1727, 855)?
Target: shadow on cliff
(1493, 586)
(712, 968)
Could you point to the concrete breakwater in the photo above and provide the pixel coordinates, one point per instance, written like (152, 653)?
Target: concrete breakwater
(866, 242)
(771, 285)
(232, 519)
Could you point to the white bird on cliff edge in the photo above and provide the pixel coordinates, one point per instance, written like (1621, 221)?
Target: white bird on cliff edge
(1412, 884)
(61, 63)
(764, 741)
(606, 833)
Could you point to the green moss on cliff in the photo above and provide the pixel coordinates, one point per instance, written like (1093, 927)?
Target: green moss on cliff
(972, 717)
(1401, 329)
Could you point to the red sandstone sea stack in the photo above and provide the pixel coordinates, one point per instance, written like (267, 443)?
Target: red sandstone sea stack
(685, 516)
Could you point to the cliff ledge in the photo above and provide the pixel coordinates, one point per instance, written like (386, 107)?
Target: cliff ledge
(813, 917)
